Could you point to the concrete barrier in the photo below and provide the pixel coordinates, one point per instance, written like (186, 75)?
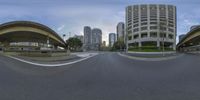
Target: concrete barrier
(47, 53)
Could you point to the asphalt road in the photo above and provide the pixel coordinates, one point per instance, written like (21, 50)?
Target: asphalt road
(106, 76)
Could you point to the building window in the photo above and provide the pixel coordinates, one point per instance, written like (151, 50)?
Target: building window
(129, 27)
(145, 23)
(143, 20)
(129, 37)
(136, 36)
(171, 17)
(171, 22)
(171, 25)
(153, 19)
(163, 19)
(163, 23)
(136, 30)
(135, 19)
(163, 35)
(143, 28)
(153, 27)
(163, 28)
(136, 25)
(135, 22)
(143, 35)
(129, 32)
(171, 36)
(153, 23)
(153, 34)
(171, 30)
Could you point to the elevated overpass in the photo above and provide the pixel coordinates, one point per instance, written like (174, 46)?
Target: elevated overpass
(191, 42)
(27, 35)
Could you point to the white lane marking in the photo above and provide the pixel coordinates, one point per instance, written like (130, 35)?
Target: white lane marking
(85, 55)
(52, 65)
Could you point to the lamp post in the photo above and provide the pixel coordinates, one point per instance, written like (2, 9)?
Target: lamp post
(64, 37)
(163, 35)
(163, 45)
(126, 40)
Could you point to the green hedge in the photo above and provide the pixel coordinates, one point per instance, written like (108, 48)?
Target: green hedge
(149, 49)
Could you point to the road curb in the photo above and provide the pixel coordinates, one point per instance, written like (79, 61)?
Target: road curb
(150, 59)
(51, 65)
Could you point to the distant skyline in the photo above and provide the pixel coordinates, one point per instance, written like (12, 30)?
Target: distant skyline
(66, 16)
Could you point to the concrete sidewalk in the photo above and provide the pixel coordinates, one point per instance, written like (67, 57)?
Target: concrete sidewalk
(77, 55)
(170, 52)
(49, 59)
(152, 54)
(150, 57)
(59, 60)
(84, 54)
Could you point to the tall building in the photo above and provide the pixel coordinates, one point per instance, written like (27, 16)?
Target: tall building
(120, 31)
(96, 38)
(104, 44)
(92, 38)
(87, 38)
(151, 24)
(112, 39)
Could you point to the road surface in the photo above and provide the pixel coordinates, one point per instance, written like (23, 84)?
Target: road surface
(106, 76)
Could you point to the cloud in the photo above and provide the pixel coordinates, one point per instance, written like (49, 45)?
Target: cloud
(61, 28)
(69, 18)
(66, 16)
(190, 22)
(75, 18)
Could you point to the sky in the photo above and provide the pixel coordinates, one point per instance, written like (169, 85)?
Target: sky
(70, 16)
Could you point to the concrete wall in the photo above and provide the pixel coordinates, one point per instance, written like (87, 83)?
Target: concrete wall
(38, 53)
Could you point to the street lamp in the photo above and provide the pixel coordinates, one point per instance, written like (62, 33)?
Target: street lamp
(162, 34)
(126, 40)
(64, 37)
(163, 44)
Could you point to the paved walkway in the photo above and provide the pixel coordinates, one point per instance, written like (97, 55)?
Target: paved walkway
(151, 57)
(170, 52)
(54, 61)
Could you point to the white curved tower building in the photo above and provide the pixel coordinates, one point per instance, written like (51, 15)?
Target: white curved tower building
(151, 25)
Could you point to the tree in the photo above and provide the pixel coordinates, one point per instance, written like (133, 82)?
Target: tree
(74, 44)
(119, 45)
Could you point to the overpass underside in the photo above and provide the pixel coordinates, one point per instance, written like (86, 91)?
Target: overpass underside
(22, 40)
(191, 42)
(192, 45)
(27, 37)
